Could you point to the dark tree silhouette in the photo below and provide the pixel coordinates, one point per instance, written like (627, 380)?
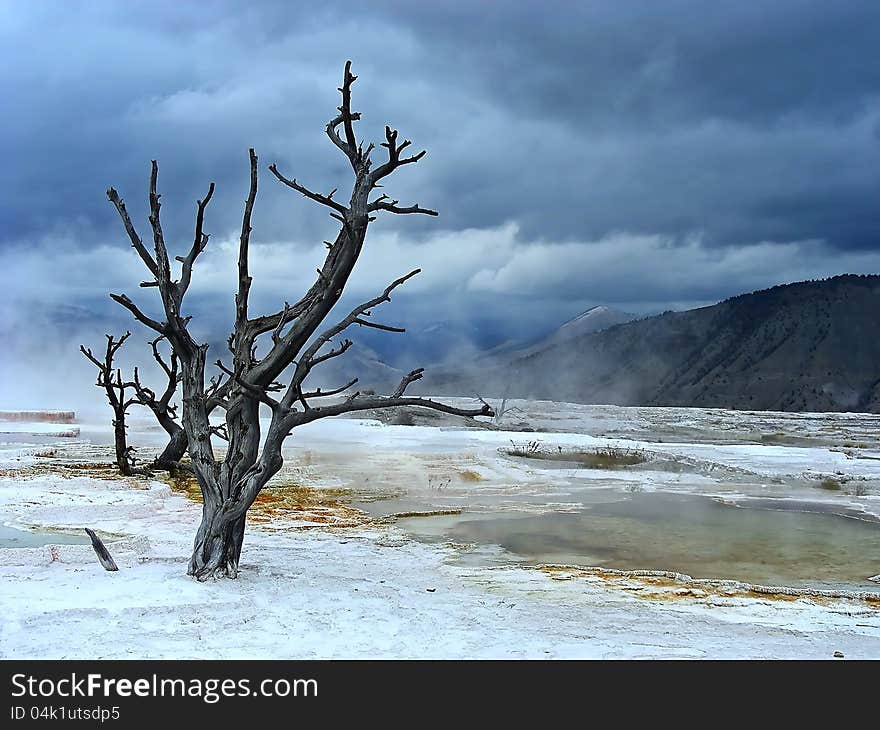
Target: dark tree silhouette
(296, 342)
(163, 409)
(110, 379)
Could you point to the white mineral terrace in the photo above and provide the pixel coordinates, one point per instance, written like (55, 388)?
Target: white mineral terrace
(317, 584)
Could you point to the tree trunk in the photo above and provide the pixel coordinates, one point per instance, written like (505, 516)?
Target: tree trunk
(121, 444)
(170, 457)
(220, 536)
(217, 548)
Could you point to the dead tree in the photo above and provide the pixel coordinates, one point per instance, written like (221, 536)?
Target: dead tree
(163, 409)
(298, 338)
(501, 409)
(110, 379)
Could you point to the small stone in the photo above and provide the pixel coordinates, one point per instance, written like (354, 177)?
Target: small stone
(838, 654)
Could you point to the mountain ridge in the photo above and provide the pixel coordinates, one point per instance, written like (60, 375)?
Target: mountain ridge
(804, 346)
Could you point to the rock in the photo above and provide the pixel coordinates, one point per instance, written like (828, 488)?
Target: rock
(838, 655)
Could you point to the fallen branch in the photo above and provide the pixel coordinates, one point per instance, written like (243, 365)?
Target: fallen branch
(101, 551)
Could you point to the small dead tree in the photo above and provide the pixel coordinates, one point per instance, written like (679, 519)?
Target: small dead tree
(110, 379)
(296, 344)
(501, 409)
(163, 409)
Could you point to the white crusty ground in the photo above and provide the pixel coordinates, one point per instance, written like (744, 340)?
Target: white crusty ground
(368, 591)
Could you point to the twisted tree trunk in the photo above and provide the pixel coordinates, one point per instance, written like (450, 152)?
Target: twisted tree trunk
(217, 547)
(219, 539)
(174, 450)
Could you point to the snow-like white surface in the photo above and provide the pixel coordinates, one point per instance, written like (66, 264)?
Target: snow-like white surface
(364, 592)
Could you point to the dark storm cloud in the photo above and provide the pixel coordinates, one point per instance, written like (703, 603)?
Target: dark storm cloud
(746, 121)
(575, 149)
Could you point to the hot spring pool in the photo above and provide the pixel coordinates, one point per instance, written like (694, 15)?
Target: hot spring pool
(782, 542)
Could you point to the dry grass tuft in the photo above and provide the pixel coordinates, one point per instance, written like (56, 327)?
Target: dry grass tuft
(608, 457)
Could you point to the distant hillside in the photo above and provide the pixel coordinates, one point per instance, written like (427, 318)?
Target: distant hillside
(810, 346)
(500, 356)
(594, 319)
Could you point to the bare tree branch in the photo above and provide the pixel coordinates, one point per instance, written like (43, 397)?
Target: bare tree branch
(318, 393)
(217, 392)
(244, 278)
(138, 314)
(282, 320)
(163, 272)
(200, 241)
(170, 370)
(381, 203)
(345, 117)
(277, 321)
(347, 80)
(105, 366)
(252, 390)
(190, 353)
(368, 403)
(317, 360)
(220, 432)
(394, 158)
(378, 326)
(317, 197)
(502, 409)
(310, 357)
(410, 377)
(135, 239)
(215, 384)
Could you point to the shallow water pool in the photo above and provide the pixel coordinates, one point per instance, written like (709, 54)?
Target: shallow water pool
(781, 543)
(13, 538)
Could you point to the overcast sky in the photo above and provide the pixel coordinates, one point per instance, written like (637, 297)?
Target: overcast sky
(647, 155)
